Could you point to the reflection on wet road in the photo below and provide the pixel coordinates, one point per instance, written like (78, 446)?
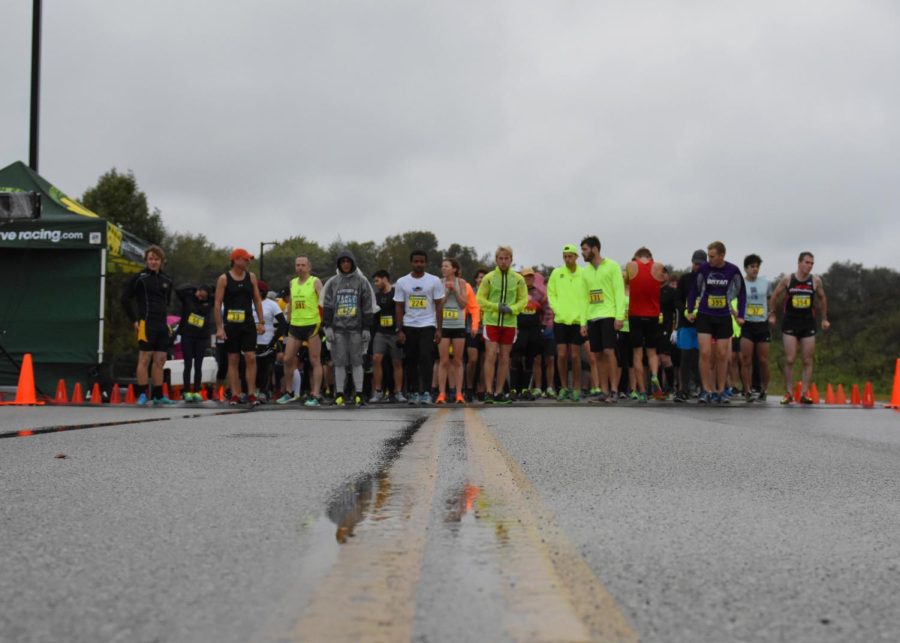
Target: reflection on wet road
(447, 498)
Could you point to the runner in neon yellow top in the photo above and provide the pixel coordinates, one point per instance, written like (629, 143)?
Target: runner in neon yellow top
(502, 295)
(302, 312)
(565, 292)
(604, 313)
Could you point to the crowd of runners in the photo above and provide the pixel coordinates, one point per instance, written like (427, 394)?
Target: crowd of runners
(593, 330)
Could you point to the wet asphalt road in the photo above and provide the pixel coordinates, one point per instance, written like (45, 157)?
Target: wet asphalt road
(731, 524)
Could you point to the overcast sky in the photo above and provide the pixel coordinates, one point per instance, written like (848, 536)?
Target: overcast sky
(773, 126)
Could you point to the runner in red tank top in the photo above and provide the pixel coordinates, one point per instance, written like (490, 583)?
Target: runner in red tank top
(644, 278)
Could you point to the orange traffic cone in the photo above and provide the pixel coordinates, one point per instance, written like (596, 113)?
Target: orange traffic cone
(62, 397)
(854, 395)
(868, 400)
(829, 394)
(895, 394)
(25, 392)
(166, 390)
(814, 393)
(221, 396)
(840, 397)
(176, 393)
(129, 395)
(96, 395)
(798, 391)
(204, 395)
(115, 395)
(77, 395)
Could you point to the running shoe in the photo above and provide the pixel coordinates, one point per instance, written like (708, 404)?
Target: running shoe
(728, 392)
(550, 392)
(460, 399)
(680, 397)
(806, 399)
(413, 399)
(762, 396)
(642, 398)
(287, 398)
(613, 397)
(655, 388)
(787, 399)
(703, 398)
(142, 400)
(441, 399)
(563, 394)
(536, 393)
(723, 399)
(524, 395)
(506, 398)
(339, 399)
(400, 398)
(234, 400)
(377, 397)
(715, 398)
(634, 396)
(575, 395)
(312, 401)
(425, 398)
(357, 400)
(488, 398)
(252, 400)
(163, 401)
(748, 397)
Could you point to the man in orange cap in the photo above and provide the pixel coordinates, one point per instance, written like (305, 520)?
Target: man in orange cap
(237, 293)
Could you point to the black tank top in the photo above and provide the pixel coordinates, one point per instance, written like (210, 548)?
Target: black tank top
(238, 300)
(798, 304)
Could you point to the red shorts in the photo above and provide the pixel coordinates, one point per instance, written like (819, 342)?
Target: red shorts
(503, 335)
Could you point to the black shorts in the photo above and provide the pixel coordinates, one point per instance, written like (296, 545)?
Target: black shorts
(756, 332)
(718, 327)
(735, 344)
(663, 343)
(624, 351)
(158, 339)
(602, 334)
(567, 334)
(549, 343)
(476, 342)
(303, 333)
(453, 333)
(643, 331)
(799, 328)
(240, 338)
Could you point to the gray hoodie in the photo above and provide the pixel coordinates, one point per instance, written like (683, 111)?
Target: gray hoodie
(347, 299)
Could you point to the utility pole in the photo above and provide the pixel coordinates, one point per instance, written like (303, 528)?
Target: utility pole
(35, 85)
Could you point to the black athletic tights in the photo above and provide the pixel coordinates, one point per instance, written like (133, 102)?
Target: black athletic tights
(419, 358)
(193, 349)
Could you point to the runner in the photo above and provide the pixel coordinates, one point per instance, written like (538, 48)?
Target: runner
(755, 335)
(475, 344)
(527, 350)
(275, 325)
(385, 342)
(194, 328)
(304, 319)
(152, 289)
(501, 297)
(456, 303)
(717, 282)
(686, 337)
(565, 293)
(347, 304)
(419, 305)
(668, 296)
(602, 316)
(548, 352)
(644, 278)
(237, 293)
(803, 291)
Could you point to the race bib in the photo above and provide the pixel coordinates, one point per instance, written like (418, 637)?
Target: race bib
(801, 301)
(529, 311)
(345, 311)
(716, 301)
(196, 320)
(387, 321)
(299, 304)
(660, 318)
(236, 316)
(596, 296)
(755, 310)
(418, 302)
(451, 314)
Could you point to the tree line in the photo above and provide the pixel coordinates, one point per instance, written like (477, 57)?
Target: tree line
(863, 343)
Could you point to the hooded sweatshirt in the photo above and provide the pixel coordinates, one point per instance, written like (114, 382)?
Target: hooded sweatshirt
(348, 300)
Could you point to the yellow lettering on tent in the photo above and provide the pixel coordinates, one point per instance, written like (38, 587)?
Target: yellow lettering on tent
(114, 239)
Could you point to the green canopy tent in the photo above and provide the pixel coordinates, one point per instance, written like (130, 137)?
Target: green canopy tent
(52, 295)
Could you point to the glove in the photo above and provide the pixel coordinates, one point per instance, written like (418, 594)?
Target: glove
(329, 334)
(674, 337)
(506, 310)
(366, 336)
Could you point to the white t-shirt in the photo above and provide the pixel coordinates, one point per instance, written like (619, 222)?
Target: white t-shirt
(418, 297)
(270, 309)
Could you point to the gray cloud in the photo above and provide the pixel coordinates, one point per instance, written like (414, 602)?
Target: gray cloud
(770, 126)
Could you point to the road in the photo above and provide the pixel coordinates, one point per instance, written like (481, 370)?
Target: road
(528, 523)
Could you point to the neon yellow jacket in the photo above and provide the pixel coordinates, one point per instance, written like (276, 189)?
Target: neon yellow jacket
(565, 293)
(603, 291)
(497, 288)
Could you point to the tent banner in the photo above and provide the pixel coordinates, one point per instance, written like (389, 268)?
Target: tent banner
(53, 234)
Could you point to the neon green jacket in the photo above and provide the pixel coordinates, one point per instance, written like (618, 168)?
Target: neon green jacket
(565, 293)
(502, 288)
(603, 291)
